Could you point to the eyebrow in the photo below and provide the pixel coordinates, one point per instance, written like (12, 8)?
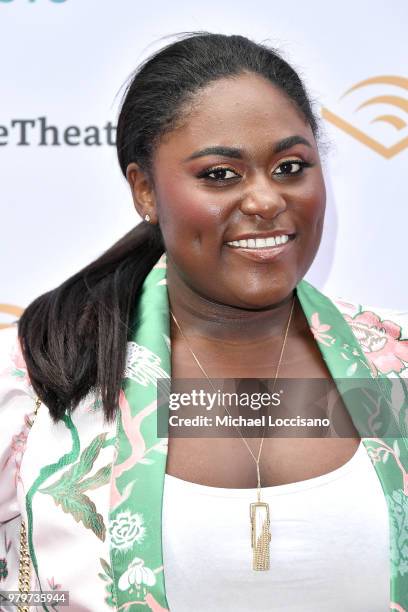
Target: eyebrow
(280, 146)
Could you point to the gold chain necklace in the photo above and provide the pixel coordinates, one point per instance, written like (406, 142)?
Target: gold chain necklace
(258, 511)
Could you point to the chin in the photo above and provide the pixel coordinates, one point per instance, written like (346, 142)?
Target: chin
(261, 301)
(259, 293)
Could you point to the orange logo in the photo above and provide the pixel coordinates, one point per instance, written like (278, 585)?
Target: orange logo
(11, 310)
(387, 143)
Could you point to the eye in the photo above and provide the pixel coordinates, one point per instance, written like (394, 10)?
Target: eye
(291, 167)
(220, 173)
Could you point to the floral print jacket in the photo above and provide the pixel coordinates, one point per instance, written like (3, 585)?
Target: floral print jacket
(82, 499)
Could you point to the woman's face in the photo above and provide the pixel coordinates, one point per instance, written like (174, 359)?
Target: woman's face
(244, 165)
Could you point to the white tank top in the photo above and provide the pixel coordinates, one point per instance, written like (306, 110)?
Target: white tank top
(329, 550)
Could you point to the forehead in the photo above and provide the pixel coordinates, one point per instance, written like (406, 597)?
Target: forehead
(245, 109)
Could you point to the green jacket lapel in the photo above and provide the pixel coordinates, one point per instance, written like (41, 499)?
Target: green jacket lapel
(138, 474)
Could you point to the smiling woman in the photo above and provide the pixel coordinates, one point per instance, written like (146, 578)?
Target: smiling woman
(220, 146)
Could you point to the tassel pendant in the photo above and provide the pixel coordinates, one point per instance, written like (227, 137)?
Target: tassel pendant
(260, 535)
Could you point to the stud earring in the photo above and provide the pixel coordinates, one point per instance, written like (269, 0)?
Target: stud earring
(147, 218)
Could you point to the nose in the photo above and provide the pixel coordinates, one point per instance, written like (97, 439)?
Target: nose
(263, 199)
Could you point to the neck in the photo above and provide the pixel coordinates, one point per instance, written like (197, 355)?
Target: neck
(203, 318)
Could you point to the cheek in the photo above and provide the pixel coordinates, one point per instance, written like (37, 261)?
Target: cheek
(189, 216)
(311, 205)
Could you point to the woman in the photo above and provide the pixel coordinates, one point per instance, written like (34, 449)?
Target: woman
(218, 141)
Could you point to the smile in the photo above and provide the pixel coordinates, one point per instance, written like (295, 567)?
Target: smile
(260, 243)
(262, 250)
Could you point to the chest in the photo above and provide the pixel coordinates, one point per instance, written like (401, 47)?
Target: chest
(287, 456)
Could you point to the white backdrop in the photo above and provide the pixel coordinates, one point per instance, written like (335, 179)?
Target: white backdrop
(62, 205)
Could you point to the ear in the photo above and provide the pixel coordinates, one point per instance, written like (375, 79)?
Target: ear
(142, 192)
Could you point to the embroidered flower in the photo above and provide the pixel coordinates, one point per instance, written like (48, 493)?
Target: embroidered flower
(142, 365)
(398, 504)
(319, 330)
(136, 575)
(381, 341)
(126, 529)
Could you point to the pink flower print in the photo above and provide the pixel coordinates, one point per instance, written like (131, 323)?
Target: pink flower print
(381, 341)
(319, 330)
(18, 445)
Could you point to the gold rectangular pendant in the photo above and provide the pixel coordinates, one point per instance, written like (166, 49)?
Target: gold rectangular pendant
(260, 535)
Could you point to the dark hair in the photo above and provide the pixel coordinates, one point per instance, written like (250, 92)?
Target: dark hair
(74, 337)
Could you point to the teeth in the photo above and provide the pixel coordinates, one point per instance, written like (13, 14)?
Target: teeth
(259, 243)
